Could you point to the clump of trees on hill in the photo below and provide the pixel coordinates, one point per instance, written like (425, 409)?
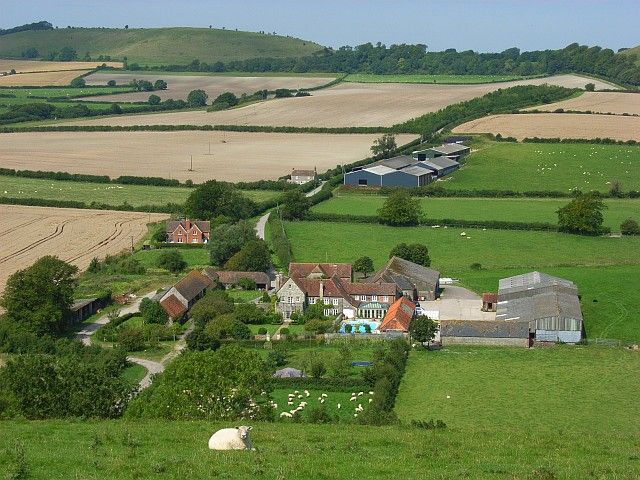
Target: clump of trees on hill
(583, 215)
(43, 25)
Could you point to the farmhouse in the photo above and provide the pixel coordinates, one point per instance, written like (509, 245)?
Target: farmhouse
(414, 281)
(548, 305)
(300, 177)
(180, 298)
(398, 318)
(332, 285)
(187, 231)
(230, 279)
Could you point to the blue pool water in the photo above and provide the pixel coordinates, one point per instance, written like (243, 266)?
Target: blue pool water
(360, 328)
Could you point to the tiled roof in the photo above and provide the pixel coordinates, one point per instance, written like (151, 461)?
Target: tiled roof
(483, 329)
(490, 297)
(203, 225)
(385, 289)
(192, 285)
(406, 274)
(173, 306)
(303, 270)
(229, 277)
(399, 316)
(331, 287)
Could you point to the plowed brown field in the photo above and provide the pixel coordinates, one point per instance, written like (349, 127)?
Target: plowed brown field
(75, 236)
(42, 79)
(26, 66)
(599, 102)
(234, 156)
(556, 125)
(345, 105)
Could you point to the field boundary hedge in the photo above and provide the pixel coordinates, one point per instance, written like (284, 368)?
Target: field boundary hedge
(279, 240)
(125, 207)
(449, 222)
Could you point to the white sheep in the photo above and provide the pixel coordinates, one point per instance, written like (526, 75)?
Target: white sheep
(231, 439)
(324, 395)
(338, 406)
(371, 392)
(353, 399)
(360, 394)
(289, 403)
(322, 400)
(306, 392)
(286, 414)
(299, 396)
(370, 400)
(303, 404)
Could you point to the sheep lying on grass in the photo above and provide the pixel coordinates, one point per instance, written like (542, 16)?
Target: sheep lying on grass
(231, 439)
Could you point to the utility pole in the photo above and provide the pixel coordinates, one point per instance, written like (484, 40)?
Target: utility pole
(191, 166)
(132, 243)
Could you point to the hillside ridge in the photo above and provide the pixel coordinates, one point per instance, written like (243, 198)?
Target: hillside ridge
(149, 46)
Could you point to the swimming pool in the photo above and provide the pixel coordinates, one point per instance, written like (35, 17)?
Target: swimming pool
(358, 326)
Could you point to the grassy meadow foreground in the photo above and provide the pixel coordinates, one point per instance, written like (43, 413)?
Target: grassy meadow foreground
(525, 434)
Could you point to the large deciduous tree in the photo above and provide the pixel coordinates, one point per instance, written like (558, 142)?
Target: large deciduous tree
(295, 205)
(583, 215)
(197, 98)
(213, 199)
(400, 209)
(423, 329)
(384, 145)
(254, 256)
(363, 265)
(227, 240)
(414, 252)
(40, 296)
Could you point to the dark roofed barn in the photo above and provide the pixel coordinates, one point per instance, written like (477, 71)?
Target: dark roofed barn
(231, 278)
(479, 332)
(415, 281)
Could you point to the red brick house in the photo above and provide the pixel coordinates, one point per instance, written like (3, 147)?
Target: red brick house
(187, 231)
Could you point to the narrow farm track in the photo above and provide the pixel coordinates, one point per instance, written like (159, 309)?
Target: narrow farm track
(75, 236)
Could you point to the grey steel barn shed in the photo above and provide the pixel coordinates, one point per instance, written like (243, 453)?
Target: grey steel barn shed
(549, 305)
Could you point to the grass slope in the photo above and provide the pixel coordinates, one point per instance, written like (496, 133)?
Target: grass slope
(150, 46)
(108, 193)
(502, 209)
(548, 166)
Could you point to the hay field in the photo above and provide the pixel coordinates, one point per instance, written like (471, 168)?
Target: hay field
(345, 105)
(599, 102)
(179, 86)
(76, 236)
(41, 79)
(235, 155)
(30, 66)
(556, 125)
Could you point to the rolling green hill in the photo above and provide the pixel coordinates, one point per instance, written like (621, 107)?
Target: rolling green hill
(634, 50)
(148, 46)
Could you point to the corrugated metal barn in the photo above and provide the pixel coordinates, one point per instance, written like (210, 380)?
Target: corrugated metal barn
(549, 305)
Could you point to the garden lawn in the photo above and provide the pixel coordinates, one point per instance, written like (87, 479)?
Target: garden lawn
(609, 296)
(483, 209)
(134, 373)
(449, 251)
(195, 257)
(244, 295)
(127, 450)
(105, 193)
(548, 167)
(503, 390)
(419, 78)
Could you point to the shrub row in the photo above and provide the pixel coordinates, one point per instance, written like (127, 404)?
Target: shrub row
(125, 207)
(387, 375)
(491, 224)
(279, 240)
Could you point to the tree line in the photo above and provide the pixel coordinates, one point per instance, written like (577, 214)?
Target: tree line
(412, 59)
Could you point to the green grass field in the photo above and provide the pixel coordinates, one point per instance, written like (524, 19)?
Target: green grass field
(502, 209)
(195, 257)
(30, 95)
(127, 450)
(548, 166)
(107, 193)
(153, 46)
(344, 242)
(419, 78)
(346, 411)
(134, 373)
(244, 295)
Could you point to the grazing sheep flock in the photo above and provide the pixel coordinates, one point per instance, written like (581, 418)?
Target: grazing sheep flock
(334, 402)
(231, 439)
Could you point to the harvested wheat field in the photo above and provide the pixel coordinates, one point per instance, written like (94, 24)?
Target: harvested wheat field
(234, 156)
(75, 236)
(345, 105)
(179, 86)
(30, 66)
(43, 79)
(598, 102)
(556, 125)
